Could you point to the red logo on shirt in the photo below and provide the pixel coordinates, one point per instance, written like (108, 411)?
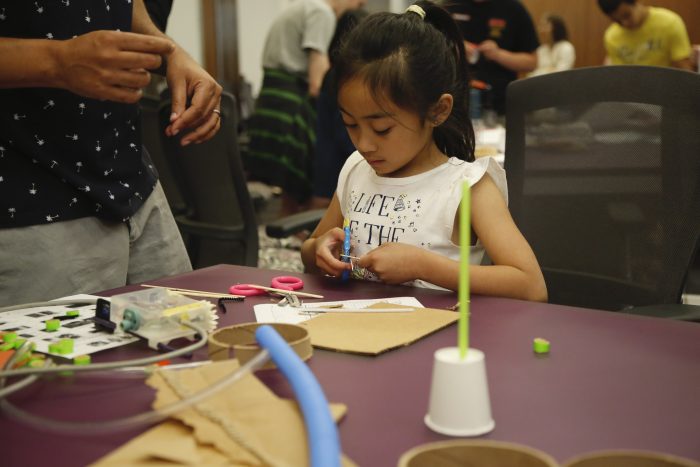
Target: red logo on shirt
(496, 26)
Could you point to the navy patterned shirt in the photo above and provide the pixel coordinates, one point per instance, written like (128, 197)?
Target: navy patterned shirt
(63, 156)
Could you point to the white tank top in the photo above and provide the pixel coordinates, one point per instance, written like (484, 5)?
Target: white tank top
(418, 210)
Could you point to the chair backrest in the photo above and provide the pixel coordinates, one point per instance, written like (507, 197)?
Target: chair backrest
(220, 225)
(603, 167)
(150, 136)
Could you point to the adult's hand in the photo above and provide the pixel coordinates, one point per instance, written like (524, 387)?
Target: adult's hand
(109, 65)
(490, 49)
(187, 79)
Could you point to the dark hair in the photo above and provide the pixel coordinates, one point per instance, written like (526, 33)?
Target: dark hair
(609, 6)
(413, 62)
(559, 32)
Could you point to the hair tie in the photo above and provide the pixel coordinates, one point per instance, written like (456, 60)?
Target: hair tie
(417, 10)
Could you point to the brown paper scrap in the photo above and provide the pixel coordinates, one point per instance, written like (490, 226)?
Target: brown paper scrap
(245, 424)
(374, 333)
(170, 443)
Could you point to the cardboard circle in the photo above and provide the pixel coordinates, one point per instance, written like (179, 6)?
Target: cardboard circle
(484, 453)
(629, 458)
(239, 342)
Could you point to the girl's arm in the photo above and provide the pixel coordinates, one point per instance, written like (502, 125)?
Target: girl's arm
(515, 272)
(321, 251)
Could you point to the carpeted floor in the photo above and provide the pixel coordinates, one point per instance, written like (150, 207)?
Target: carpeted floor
(281, 254)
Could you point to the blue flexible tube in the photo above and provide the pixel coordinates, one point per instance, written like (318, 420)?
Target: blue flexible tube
(324, 442)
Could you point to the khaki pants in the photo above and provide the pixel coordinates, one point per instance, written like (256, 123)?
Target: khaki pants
(88, 255)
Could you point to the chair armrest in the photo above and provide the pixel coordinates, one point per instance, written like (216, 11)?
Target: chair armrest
(290, 225)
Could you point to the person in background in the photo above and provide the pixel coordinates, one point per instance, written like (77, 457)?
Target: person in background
(555, 53)
(333, 145)
(282, 127)
(81, 209)
(500, 39)
(645, 35)
(403, 94)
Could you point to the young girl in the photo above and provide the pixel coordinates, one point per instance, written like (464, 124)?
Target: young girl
(402, 92)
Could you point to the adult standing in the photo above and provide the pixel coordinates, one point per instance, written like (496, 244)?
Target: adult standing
(500, 39)
(282, 127)
(645, 35)
(81, 208)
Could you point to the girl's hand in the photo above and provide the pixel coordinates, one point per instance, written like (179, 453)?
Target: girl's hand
(394, 263)
(328, 249)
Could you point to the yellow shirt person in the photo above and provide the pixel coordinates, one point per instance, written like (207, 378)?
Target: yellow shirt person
(646, 36)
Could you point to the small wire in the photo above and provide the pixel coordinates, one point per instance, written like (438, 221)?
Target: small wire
(7, 390)
(145, 418)
(119, 364)
(99, 427)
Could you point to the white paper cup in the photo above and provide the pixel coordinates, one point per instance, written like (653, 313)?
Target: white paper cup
(459, 394)
(475, 453)
(627, 458)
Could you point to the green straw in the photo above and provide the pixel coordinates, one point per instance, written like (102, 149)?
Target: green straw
(464, 243)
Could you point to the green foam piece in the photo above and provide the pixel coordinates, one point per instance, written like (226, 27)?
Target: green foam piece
(36, 363)
(73, 313)
(62, 347)
(67, 345)
(10, 337)
(540, 346)
(7, 346)
(82, 360)
(17, 343)
(53, 325)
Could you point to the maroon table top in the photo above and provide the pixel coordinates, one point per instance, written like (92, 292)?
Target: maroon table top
(611, 380)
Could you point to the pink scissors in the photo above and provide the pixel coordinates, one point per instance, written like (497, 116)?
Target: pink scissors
(279, 284)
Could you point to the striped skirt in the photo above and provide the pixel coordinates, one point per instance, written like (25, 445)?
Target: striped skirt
(282, 135)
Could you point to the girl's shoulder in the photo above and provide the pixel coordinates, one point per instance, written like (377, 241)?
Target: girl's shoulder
(473, 172)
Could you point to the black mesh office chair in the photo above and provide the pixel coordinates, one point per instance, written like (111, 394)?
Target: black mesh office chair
(603, 169)
(150, 136)
(220, 224)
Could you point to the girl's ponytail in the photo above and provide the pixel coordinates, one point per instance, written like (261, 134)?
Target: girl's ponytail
(456, 135)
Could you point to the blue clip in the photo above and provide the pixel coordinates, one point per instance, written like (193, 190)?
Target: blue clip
(346, 250)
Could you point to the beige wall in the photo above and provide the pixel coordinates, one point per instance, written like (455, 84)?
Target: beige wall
(586, 23)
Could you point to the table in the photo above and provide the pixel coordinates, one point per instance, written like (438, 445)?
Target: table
(610, 381)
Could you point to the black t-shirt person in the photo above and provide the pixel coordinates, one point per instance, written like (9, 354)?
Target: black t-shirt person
(507, 23)
(63, 156)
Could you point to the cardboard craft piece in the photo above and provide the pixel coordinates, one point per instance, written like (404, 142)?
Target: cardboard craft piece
(260, 428)
(375, 333)
(170, 443)
(238, 341)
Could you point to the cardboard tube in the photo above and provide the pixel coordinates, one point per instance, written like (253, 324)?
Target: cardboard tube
(628, 458)
(482, 453)
(239, 342)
